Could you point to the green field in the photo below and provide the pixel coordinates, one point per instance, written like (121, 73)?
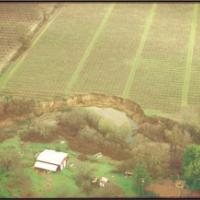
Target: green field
(59, 184)
(146, 52)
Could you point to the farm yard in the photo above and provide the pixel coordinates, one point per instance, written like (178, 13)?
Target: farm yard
(145, 52)
(97, 145)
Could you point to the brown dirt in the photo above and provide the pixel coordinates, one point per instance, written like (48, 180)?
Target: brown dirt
(168, 189)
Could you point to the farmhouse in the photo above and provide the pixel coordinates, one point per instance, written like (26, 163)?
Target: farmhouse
(51, 160)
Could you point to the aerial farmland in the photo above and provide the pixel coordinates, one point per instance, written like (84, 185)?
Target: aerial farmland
(109, 80)
(93, 48)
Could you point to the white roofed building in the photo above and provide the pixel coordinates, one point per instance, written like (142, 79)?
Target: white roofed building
(51, 160)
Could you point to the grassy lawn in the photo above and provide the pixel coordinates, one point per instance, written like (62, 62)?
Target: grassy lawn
(57, 184)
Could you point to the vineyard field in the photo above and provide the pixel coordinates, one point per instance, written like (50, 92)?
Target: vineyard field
(162, 64)
(17, 21)
(116, 47)
(145, 52)
(194, 94)
(51, 63)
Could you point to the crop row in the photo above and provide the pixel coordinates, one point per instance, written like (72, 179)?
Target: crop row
(50, 64)
(16, 21)
(159, 79)
(109, 64)
(194, 93)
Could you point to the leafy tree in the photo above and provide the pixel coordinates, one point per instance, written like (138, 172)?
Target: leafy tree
(141, 178)
(191, 166)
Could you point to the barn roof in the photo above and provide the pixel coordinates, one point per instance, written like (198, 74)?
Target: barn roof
(46, 166)
(51, 156)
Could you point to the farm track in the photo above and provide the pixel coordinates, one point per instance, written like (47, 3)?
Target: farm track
(194, 94)
(159, 79)
(88, 50)
(135, 64)
(151, 63)
(188, 70)
(110, 61)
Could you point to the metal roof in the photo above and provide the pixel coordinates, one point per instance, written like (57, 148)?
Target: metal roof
(46, 166)
(51, 156)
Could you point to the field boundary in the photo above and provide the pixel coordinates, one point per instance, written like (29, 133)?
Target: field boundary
(9, 73)
(88, 50)
(137, 57)
(188, 70)
(154, 112)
